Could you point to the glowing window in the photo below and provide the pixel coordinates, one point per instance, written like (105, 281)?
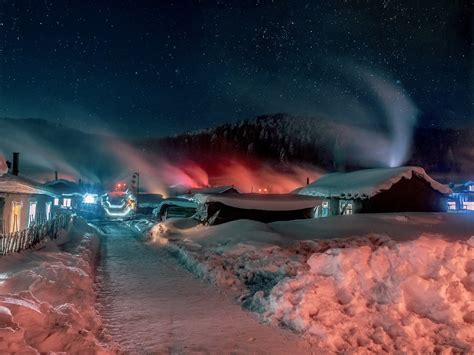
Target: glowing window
(15, 218)
(56, 202)
(66, 202)
(345, 207)
(48, 211)
(451, 205)
(325, 209)
(32, 214)
(471, 187)
(468, 206)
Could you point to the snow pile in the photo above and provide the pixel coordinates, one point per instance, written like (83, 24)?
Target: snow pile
(47, 297)
(405, 290)
(411, 297)
(366, 183)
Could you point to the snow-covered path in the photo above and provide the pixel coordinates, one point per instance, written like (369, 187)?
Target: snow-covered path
(149, 303)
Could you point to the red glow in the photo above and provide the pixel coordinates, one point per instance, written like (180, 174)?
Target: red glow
(158, 174)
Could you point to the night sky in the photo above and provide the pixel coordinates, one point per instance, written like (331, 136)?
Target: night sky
(153, 68)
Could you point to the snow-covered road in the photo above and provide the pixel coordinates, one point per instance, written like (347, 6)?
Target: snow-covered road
(148, 302)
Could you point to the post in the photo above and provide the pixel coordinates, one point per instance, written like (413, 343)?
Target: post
(138, 187)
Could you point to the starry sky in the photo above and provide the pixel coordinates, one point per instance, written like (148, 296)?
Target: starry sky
(148, 68)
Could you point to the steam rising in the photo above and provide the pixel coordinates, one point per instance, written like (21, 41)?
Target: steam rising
(159, 174)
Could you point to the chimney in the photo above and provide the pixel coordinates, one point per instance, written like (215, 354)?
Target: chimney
(56, 175)
(307, 181)
(16, 163)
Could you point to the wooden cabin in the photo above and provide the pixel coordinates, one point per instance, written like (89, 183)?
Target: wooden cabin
(23, 202)
(402, 189)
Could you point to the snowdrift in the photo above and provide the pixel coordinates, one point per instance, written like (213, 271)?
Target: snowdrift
(47, 296)
(407, 290)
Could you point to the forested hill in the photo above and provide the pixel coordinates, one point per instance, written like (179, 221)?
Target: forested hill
(317, 140)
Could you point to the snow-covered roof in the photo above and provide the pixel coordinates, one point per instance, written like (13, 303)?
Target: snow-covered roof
(263, 202)
(213, 190)
(176, 201)
(366, 183)
(10, 183)
(150, 200)
(65, 187)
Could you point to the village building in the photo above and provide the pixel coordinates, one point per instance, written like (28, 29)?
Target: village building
(183, 204)
(23, 202)
(79, 197)
(462, 198)
(402, 189)
(69, 195)
(220, 208)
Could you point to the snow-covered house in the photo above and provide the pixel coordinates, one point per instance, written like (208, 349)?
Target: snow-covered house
(69, 194)
(462, 198)
(22, 203)
(175, 207)
(220, 208)
(183, 203)
(401, 189)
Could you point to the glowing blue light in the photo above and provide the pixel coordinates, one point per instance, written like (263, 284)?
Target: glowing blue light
(90, 198)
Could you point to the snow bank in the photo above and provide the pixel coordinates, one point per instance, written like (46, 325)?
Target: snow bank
(366, 183)
(47, 297)
(404, 290)
(411, 297)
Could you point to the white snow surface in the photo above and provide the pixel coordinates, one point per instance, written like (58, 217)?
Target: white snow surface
(366, 183)
(47, 297)
(265, 202)
(396, 283)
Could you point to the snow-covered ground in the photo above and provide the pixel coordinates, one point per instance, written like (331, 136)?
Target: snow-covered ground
(47, 296)
(380, 282)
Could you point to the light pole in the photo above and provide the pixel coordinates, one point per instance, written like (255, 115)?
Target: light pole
(136, 182)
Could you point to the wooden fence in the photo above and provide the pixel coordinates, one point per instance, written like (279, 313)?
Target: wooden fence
(27, 238)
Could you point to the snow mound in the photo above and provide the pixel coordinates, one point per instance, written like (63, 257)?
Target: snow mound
(411, 297)
(366, 183)
(398, 283)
